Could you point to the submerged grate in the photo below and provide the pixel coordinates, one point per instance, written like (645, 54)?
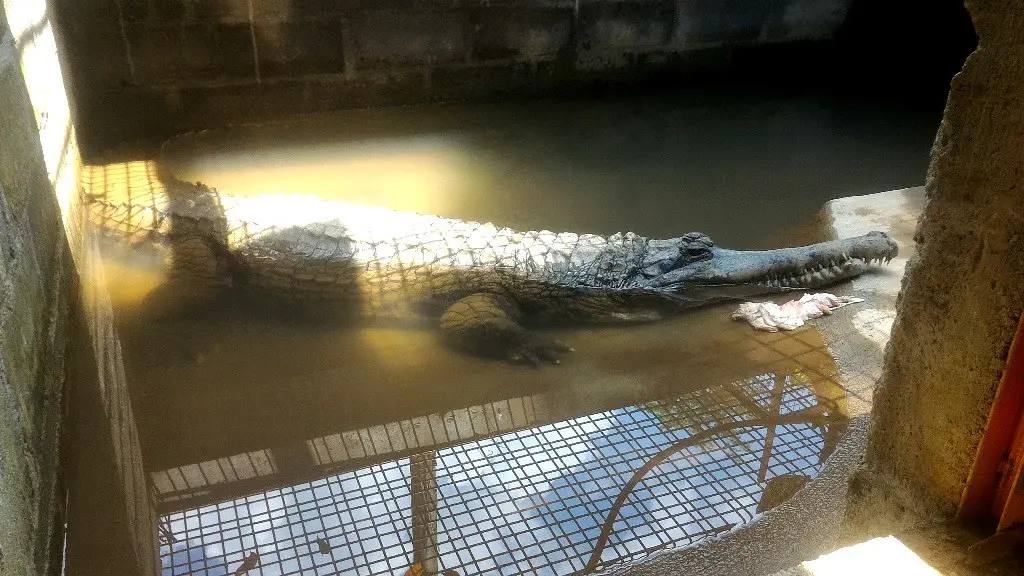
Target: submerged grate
(505, 488)
(565, 497)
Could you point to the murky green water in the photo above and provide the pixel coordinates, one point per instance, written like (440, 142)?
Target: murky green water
(230, 404)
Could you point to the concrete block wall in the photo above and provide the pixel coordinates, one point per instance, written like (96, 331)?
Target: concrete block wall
(112, 523)
(145, 67)
(67, 449)
(36, 289)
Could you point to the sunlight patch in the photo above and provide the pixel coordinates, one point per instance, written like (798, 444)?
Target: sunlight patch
(879, 557)
(874, 324)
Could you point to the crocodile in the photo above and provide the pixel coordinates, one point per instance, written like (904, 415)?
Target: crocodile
(484, 286)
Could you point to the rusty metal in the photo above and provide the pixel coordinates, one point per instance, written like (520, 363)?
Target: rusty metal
(423, 476)
(995, 488)
(1011, 489)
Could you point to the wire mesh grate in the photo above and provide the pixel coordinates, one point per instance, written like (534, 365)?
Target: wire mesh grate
(539, 500)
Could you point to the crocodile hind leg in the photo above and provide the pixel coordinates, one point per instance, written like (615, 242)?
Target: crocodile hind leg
(488, 325)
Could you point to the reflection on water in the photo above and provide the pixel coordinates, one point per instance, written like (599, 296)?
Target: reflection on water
(735, 166)
(561, 497)
(282, 447)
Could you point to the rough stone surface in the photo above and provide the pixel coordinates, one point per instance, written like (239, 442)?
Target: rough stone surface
(57, 465)
(963, 292)
(36, 282)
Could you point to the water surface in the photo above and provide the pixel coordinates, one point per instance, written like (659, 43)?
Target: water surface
(735, 166)
(273, 434)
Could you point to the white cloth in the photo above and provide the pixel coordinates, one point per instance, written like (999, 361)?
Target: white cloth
(772, 317)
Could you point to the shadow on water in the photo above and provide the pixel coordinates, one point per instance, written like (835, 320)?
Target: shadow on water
(372, 449)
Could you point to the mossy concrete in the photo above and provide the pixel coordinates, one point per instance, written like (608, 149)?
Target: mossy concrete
(36, 288)
(58, 465)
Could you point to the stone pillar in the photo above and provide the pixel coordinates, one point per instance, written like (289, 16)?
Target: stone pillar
(964, 290)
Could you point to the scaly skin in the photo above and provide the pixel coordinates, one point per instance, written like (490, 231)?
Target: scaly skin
(481, 282)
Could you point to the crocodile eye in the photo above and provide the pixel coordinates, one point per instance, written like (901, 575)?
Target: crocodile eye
(697, 253)
(698, 239)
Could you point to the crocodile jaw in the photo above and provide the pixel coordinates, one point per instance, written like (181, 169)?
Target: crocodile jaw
(735, 273)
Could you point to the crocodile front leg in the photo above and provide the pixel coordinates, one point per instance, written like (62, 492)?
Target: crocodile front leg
(198, 274)
(488, 325)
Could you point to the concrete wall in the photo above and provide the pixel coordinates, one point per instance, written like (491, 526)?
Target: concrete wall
(64, 432)
(111, 508)
(964, 291)
(37, 284)
(146, 68)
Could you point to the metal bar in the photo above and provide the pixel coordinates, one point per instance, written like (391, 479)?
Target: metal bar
(1011, 489)
(769, 441)
(423, 475)
(255, 49)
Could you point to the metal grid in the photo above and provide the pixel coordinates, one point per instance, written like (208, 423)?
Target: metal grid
(529, 501)
(364, 515)
(199, 484)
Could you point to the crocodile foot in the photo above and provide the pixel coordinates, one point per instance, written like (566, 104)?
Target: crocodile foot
(488, 325)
